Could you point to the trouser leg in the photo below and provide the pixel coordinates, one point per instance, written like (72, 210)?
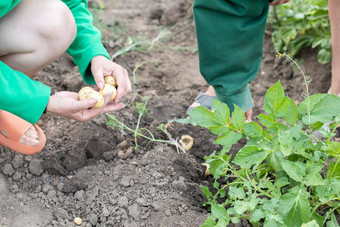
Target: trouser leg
(230, 42)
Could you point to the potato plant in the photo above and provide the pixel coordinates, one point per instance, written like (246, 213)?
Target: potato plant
(300, 24)
(287, 174)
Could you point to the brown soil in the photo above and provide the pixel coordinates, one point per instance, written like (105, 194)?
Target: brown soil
(78, 173)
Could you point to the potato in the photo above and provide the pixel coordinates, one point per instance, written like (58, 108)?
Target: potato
(78, 221)
(109, 89)
(96, 95)
(82, 94)
(110, 80)
(207, 166)
(186, 142)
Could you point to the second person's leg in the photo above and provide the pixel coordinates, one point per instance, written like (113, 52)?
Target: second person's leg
(230, 40)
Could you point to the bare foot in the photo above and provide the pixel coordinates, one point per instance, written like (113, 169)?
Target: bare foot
(210, 91)
(30, 138)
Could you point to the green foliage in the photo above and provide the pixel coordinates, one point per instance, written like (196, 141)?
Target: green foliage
(299, 24)
(279, 178)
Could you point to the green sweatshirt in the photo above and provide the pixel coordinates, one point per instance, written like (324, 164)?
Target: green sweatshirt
(28, 98)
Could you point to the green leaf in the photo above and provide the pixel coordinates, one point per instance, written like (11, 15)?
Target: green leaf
(333, 222)
(294, 170)
(219, 212)
(333, 149)
(324, 56)
(253, 130)
(236, 193)
(310, 224)
(323, 108)
(275, 159)
(256, 216)
(334, 170)
(218, 130)
(249, 156)
(267, 120)
(313, 177)
(286, 142)
(294, 207)
(210, 222)
(203, 117)
(221, 112)
(238, 117)
(288, 110)
(274, 97)
(206, 191)
(274, 221)
(229, 138)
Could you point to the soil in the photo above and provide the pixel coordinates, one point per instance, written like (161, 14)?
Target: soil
(81, 172)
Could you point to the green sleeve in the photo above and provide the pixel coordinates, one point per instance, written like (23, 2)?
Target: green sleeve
(87, 43)
(21, 95)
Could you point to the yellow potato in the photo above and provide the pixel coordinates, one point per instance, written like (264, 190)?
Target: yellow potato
(82, 94)
(186, 142)
(109, 89)
(96, 95)
(110, 80)
(78, 221)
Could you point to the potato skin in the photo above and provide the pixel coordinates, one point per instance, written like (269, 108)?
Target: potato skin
(110, 80)
(109, 89)
(89, 92)
(96, 95)
(82, 94)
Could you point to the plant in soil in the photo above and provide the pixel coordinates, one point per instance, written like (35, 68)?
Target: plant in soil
(287, 174)
(143, 132)
(300, 24)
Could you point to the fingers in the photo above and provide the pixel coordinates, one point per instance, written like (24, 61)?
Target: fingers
(123, 81)
(91, 113)
(98, 77)
(83, 105)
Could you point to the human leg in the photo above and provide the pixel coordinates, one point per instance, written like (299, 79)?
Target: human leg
(230, 41)
(334, 17)
(35, 33)
(32, 35)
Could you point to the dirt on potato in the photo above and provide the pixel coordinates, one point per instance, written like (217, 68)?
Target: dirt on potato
(96, 173)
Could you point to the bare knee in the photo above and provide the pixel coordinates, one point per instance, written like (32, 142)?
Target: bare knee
(58, 29)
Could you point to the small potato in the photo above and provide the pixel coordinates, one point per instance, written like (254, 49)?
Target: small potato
(110, 80)
(109, 89)
(186, 142)
(78, 221)
(82, 94)
(96, 95)
(207, 166)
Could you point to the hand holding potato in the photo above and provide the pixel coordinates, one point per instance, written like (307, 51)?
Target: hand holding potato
(66, 104)
(101, 67)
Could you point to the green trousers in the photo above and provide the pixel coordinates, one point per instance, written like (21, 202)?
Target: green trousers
(230, 41)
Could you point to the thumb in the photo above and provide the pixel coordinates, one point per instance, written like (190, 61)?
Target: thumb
(99, 78)
(84, 104)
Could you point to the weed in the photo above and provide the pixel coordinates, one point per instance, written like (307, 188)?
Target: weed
(138, 132)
